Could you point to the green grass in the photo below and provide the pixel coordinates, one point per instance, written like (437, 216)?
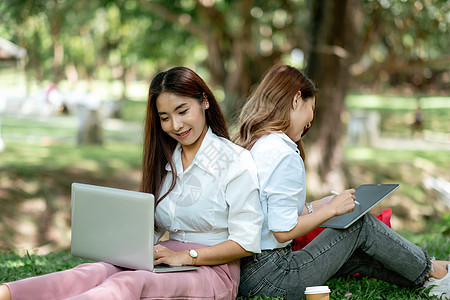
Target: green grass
(64, 129)
(38, 165)
(103, 159)
(42, 159)
(368, 288)
(394, 102)
(435, 242)
(14, 266)
(397, 113)
(413, 202)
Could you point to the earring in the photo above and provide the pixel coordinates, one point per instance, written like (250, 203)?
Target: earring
(295, 107)
(207, 105)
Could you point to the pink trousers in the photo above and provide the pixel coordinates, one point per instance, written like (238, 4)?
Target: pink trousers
(105, 281)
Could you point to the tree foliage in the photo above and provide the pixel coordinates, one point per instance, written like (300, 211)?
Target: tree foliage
(376, 43)
(404, 41)
(234, 40)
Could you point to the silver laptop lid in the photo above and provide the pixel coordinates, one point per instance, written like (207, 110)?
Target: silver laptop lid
(113, 225)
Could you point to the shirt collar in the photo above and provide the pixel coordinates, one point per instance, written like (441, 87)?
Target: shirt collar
(202, 156)
(286, 139)
(176, 159)
(208, 153)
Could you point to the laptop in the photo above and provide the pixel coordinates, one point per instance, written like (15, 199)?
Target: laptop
(115, 226)
(368, 196)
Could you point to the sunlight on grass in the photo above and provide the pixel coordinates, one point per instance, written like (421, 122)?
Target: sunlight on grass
(360, 153)
(397, 113)
(88, 165)
(436, 243)
(14, 266)
(395, 102)
(425, 158)
(42, 159)
(12, 263)
(60, 156)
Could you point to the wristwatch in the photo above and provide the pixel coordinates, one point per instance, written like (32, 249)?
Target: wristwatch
(194, 254)
(309, 207)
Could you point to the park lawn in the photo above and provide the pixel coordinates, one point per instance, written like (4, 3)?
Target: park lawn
(397, 112)
(43, 155)
(14, 266)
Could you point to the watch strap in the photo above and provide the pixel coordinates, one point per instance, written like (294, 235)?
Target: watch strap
(309, 207)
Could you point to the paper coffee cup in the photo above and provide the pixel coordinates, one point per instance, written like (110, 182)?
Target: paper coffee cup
(317, 293)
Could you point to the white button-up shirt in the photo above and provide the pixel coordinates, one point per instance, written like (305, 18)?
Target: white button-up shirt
(215, 199)
(281, 175)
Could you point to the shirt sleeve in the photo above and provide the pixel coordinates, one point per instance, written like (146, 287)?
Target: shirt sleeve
(282, 189)
(245, 216)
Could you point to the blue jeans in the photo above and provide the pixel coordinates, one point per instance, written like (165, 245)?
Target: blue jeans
(368, 247)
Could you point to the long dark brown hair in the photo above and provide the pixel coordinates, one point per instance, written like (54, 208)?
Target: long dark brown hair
(267, 109)
(158, 145)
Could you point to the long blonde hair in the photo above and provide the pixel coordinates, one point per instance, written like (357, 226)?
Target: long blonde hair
(268, 107)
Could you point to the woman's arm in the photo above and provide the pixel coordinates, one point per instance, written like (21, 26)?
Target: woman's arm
(339, 205)
(214, 255)
(318, 204)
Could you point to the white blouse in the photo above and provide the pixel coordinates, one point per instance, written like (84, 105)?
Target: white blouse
(281, 175)
(215, 199)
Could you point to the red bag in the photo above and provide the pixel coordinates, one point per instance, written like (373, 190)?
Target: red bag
(302, 241)
(385, 216)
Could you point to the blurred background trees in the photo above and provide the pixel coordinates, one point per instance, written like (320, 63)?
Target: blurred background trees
(364, 45)
(234, 41)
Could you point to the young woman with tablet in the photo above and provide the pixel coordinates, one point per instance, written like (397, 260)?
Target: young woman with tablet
(278, 113)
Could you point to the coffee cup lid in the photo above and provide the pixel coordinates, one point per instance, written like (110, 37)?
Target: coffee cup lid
(317, 289)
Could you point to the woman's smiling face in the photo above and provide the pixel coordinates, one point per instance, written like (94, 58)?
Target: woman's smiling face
(182, 118)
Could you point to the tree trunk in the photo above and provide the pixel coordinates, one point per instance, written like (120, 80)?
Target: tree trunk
(332, 46)
(237, 83)
(58, 47)
(90, 130)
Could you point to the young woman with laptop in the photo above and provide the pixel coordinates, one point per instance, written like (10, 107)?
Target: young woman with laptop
(207, 199)
(278, 113)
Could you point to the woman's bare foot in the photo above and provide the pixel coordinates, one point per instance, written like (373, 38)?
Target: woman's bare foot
(443, 263)
(4, 293)
(438, 281)
(439, 269)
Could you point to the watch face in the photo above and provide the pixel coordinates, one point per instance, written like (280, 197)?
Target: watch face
(193, 253)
